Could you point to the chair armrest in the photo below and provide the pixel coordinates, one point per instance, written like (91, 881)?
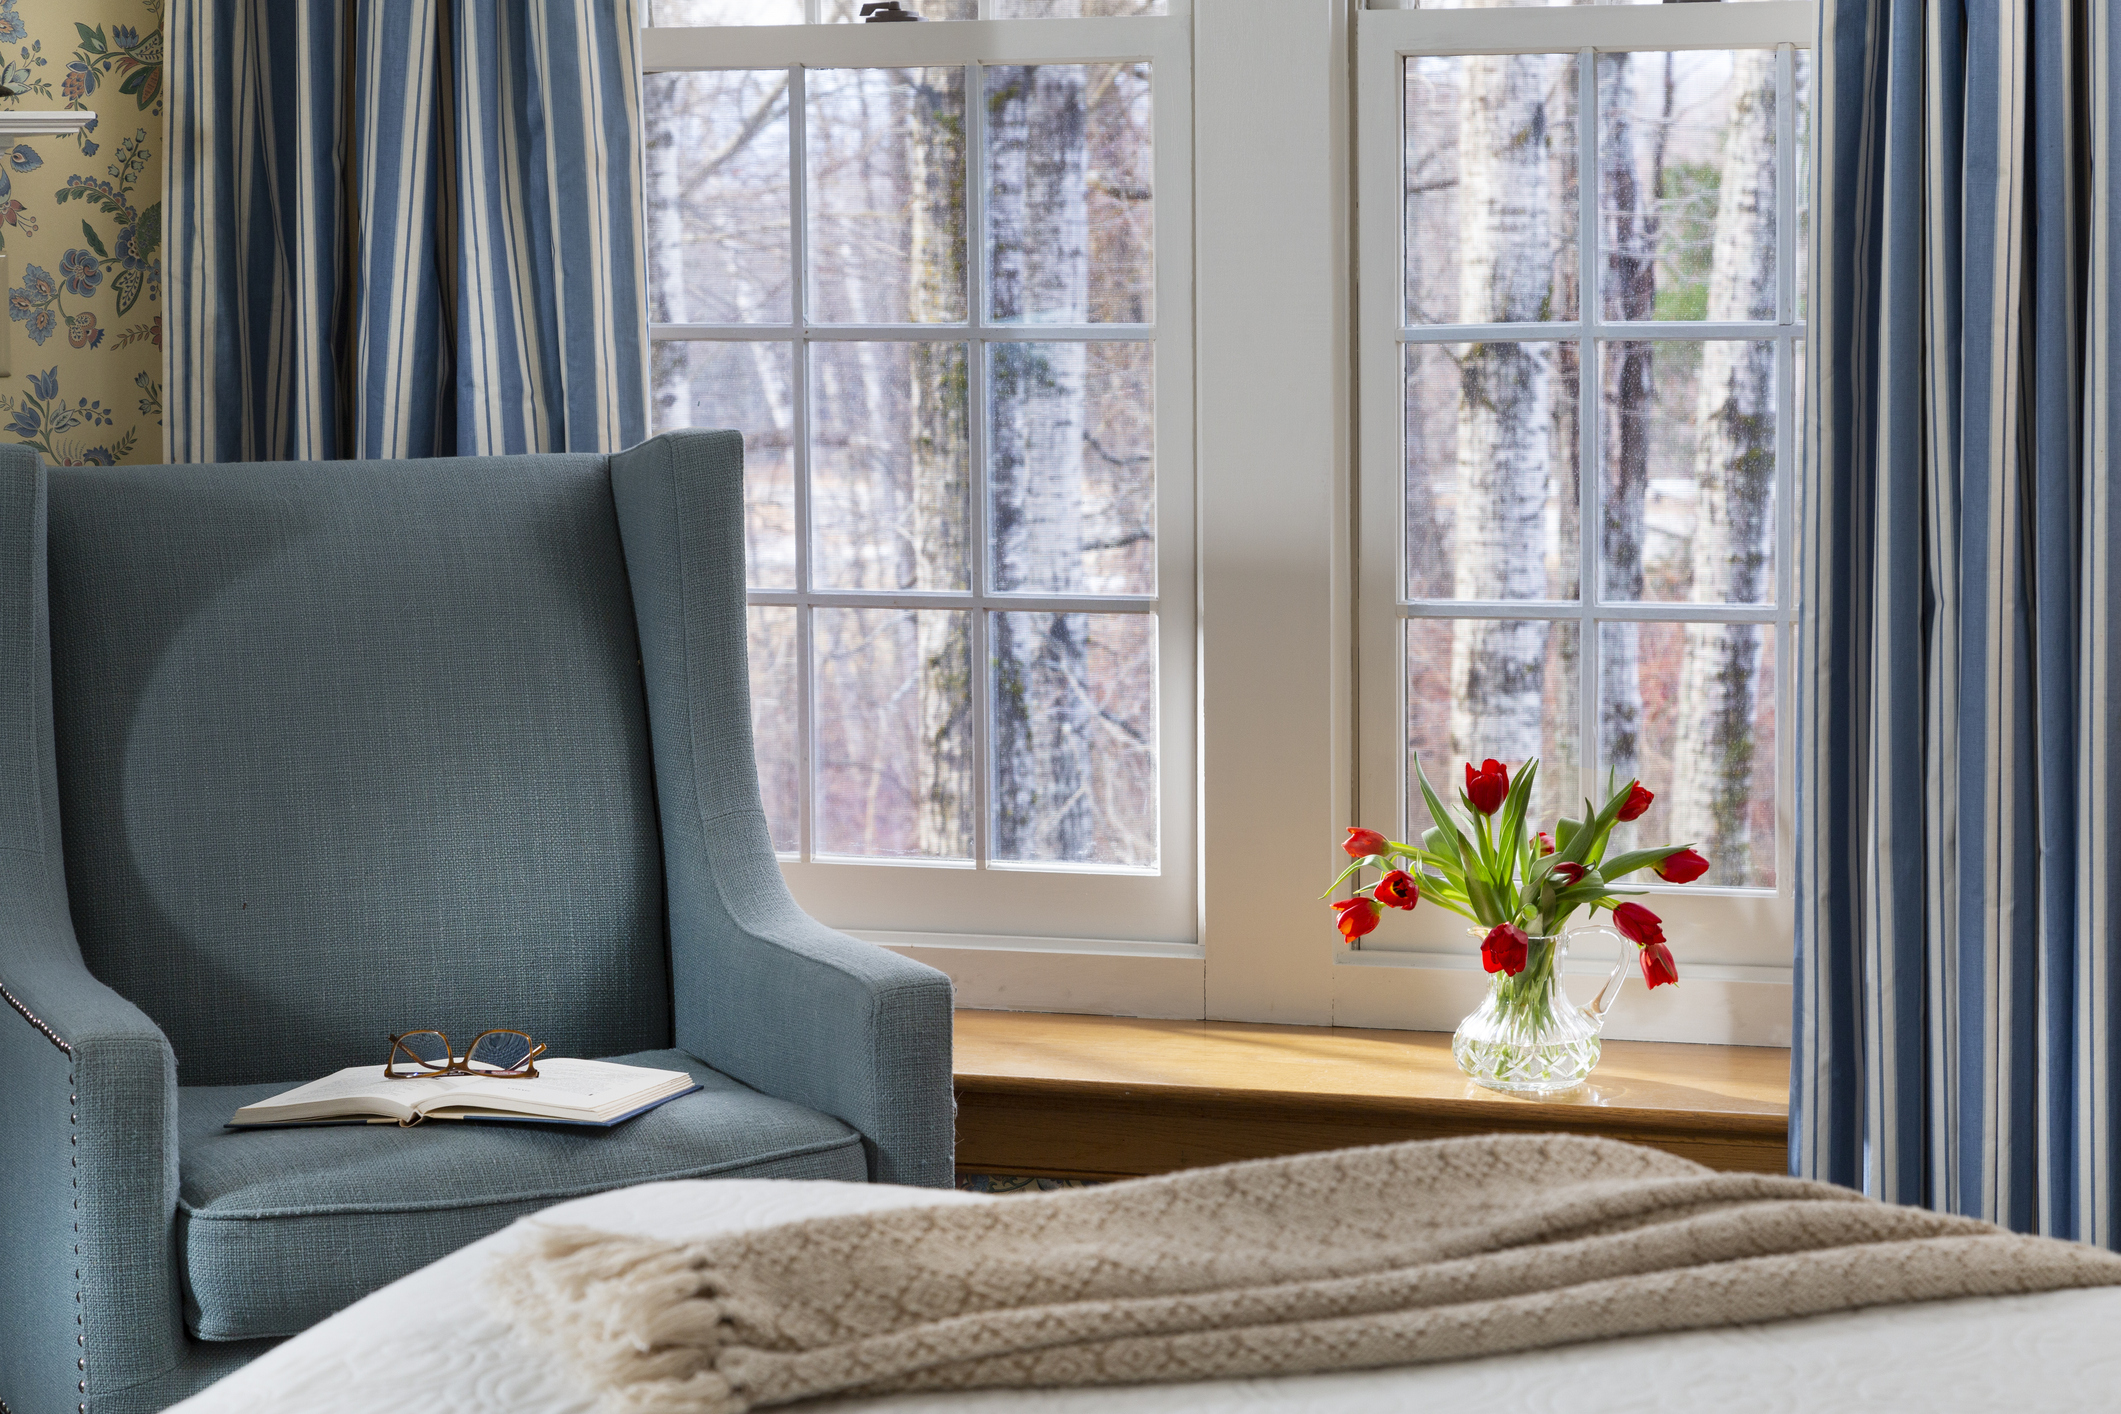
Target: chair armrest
(769, 995)
(88, 1167)
(88, 1084)
(762, 992)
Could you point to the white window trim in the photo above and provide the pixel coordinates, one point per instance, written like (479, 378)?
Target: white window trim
(1140, 928)
(1734, 942)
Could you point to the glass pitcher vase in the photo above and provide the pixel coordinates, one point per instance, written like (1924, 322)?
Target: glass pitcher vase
(1527, 1037)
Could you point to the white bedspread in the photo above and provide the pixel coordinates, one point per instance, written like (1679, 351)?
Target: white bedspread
(430, 1342)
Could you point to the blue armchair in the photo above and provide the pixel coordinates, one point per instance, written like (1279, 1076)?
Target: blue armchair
(293, 755)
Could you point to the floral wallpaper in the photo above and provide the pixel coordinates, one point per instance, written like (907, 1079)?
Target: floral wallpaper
(81, 224)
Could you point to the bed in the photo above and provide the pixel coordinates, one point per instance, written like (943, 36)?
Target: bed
(431, 1341)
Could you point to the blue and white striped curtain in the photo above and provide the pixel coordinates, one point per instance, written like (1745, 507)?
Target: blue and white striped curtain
(404, 228)
(1959, 792)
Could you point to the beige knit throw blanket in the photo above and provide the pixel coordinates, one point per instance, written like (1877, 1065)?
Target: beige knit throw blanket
(1393, 1255)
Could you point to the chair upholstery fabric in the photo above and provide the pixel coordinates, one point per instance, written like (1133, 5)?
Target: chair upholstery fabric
(401, 711)
(280, 1228)
(310, 710)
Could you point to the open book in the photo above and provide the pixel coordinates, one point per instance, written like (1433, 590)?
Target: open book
(565, 1092)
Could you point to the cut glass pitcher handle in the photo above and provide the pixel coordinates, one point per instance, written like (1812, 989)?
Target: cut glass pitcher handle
(1610, 992)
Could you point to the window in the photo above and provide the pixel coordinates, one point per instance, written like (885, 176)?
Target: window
(851, 267)
(939, 276)
(1582, 343)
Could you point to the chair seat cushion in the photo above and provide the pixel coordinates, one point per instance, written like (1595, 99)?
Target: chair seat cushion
(278, 1228)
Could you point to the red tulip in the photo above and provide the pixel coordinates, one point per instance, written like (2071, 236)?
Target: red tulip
(1397, 890)
(1638, 801)
(1357, 916)
(1638, 923)
(1361, 842)
(1487, 786)
(1503, 950)
(1546, 843)
(1683, 867)
(1569, 872)
(1657, 965)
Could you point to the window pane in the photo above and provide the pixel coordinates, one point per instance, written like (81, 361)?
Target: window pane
(886, 181)
(748, 388)
(1803, 59)
(1504, 688)
(1689, 709)
(725, 12)
(1072, 9)
(1072, 467)
(850, 11)
(1490, 178)
(890, 466)
(1686, 178)
(1508, 4)
(894, 733)
(1689, 471)
(1070, 215)
(774, 719)
(716, 157)
(1074, 738)
(1798, 435)
(1492, 457)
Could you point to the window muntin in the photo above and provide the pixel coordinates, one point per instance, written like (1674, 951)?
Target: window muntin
(1631, 619)
(967, 500)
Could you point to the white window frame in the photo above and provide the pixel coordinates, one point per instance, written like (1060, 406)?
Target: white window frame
(1735, 943)
(1092, 938)
(1279, 570)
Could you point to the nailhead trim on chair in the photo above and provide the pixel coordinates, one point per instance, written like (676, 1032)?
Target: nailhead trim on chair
(35, 1020)
(73, 1141)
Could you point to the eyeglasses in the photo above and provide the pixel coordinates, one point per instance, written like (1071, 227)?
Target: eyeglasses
(496, 1055)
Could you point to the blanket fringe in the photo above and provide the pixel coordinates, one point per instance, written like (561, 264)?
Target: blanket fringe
(643, 1320)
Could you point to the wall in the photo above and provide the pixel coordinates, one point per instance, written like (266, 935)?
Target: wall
(81, 223)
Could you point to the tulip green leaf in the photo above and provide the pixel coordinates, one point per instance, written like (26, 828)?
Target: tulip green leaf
(1635, 859)
(1440, 815)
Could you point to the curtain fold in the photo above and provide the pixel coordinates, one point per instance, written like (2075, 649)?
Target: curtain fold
(1956, 795)
(404, 228)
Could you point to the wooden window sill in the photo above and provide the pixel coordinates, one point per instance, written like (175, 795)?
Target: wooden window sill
(1118, 1097)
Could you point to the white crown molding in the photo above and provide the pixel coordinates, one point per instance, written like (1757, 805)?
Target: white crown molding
(60, 124)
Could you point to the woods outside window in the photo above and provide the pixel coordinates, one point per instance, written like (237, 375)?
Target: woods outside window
(1582, 356)
(1499, 344)
(924, 269)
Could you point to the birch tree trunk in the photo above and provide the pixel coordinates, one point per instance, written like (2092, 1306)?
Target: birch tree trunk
(1041, 275)
(1561, 770)
(1505, 410)
(941, 489)
(666, 251)
(1734, 468)
(1628, 391)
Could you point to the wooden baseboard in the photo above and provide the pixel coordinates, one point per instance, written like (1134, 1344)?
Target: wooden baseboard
(1111, 1097)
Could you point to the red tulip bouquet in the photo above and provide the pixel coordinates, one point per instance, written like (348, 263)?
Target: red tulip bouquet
(1520, 886)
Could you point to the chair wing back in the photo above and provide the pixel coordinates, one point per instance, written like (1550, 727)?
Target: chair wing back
(349, 748)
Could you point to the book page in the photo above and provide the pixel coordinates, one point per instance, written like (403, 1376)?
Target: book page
(562, 1084)
(359, 1089)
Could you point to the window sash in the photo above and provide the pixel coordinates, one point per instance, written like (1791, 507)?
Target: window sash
(1744, 932)
(946, 902)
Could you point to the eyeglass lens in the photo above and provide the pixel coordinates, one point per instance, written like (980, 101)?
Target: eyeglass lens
(498, 1050)
(429, 1047)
